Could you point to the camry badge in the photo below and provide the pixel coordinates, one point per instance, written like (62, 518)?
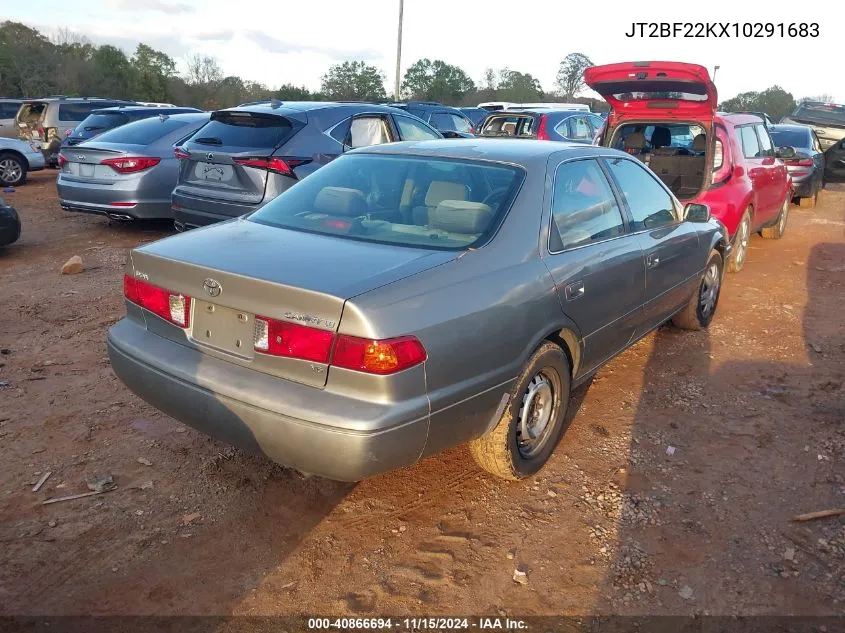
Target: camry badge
(212, 287)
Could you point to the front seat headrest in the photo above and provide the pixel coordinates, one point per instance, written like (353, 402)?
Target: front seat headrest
(340, 201)
(635, 141)
(661, 137)
(460, 216)
(699, 143)
(440, 190)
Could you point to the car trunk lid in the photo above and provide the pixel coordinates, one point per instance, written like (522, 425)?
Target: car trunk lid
(239, 270)
(655, 90)
(229, 159)
(84, 163)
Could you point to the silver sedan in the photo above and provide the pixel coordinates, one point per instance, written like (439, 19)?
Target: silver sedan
(414, 296)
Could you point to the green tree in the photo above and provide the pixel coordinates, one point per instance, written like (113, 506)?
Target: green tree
(353, 81)
(774, 101)
(26, 61)
(153, 70)
(518, 87)
(436, 81)
(570, 75)
(289, 92)
(112, 75)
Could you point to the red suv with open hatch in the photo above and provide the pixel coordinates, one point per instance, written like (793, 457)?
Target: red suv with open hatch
(664, 113)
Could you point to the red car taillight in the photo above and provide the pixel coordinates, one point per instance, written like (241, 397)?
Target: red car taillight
(542, 132)
(62, 161)
(803, 162)
(181, 154)
(130, 164)
(172, 307)
(378, 357)
(280, 338)
(722, 161)
(274, 164)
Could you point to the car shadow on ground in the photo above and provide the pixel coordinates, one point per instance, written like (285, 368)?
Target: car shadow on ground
(717, 471)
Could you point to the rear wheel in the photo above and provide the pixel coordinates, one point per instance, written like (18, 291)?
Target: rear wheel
(529, 429)
(702, 304)
(12, 170)
(776, 231)
(740, 248)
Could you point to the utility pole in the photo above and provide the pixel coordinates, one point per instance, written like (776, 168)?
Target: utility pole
(715, 68)
(398, 53)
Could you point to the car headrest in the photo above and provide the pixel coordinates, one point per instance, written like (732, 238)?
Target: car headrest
(666, 151)
(441, 190)
(340, 201)
(699, 143)
(661, 137)
(460, 216)
(635, 141)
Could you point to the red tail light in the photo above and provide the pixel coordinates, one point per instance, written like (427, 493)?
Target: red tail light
(542, 132)
(378, 357)
(174, 308)
(181, 154)
(722, 161)
(130, 164)
(280, 338)
(62, 161)
(802, 162)
(274, 164)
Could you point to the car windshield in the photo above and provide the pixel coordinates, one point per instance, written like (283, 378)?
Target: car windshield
(791, 138)
(821, 112)
(445, 204)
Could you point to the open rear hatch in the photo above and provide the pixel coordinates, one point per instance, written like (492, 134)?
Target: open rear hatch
(241, 275)
(655, 91)
(231, 156)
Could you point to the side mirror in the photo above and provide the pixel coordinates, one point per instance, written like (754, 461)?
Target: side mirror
(785, 152)
(694, 212)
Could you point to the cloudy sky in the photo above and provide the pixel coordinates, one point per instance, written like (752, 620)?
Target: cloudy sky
(281, 42)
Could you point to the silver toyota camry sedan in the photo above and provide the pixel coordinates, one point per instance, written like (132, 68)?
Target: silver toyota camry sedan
(414, 296)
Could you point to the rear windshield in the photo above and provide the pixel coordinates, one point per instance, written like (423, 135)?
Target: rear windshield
(143, 132)
(402, 200)
(103, 121)
(821, 112)
(660, 96)
(508, 125)
(790, 138)
(241, 129)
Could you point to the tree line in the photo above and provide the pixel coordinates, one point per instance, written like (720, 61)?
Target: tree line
(33, 65)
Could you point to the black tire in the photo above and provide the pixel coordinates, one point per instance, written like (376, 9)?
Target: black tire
(14, 167)
(739, 254)
(776, 230)
(501, 452)
(698, 314)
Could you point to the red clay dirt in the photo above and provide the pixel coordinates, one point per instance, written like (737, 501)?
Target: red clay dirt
(753, 409)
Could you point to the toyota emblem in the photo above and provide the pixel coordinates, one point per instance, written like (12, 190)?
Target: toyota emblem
(212, 287)
(210, 156)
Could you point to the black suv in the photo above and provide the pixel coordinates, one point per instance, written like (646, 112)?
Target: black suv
(247, 155)
(105, 119)
(450, 121)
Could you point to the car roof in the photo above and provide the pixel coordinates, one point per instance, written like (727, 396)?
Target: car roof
(515, 111)
(282, 108)
(152, 109)
(79, 100)
(784, 127)
(737, 118)
(523, 152)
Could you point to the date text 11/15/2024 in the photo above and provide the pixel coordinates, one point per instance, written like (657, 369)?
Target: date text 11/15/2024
(723, 29)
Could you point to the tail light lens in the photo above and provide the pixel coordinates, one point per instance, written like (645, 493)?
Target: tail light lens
(174, 308)
(181, 154)
(378, 357)
(722, 162)
(804, 162)
(275, 164)
(542, 131)
(62, 160)
(280, 338)
(130, 164)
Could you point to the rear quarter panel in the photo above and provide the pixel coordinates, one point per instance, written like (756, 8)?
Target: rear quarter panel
(729, 201)
(479, 316)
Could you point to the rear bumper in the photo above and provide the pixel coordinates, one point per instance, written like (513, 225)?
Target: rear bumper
(220, 399)
(10, 226)
(192, 212)
(802, 186)
(94, 198)
(36, 161)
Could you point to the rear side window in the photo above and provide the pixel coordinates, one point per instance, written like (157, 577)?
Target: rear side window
(460, 123)
(750, 144)
(649, 203)
(77, 111)
(9, 110)
(508, 125)
(141, 132)
(368, 130)
(411, 130)
(584, 208)
(242, 130)
(765, 142)
(103, 121)
(579, 129)
(442, 121)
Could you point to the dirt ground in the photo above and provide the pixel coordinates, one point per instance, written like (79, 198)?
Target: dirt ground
(672, 492)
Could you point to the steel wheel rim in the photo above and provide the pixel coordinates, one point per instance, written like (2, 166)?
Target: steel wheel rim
(537, 412)
(742, 241)
(10, 170)
(783, 213)
(709, 291)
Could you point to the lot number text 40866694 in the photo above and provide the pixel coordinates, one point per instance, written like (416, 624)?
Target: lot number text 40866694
(723, 29)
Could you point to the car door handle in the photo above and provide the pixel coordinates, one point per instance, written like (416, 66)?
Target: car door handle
(574, 291)
(653, 260)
